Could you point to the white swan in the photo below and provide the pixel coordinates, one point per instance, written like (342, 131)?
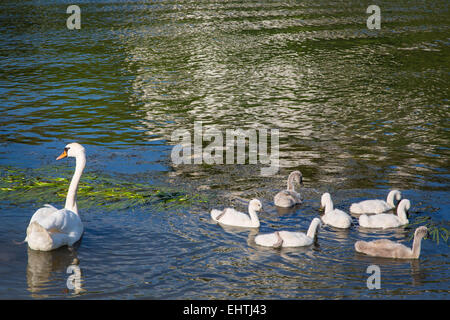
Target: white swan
(334, 217)
(387, 220)
(231, 217)
(288, 198)
(289, 239)
(51, 228)
(376, 206)
(390, 249)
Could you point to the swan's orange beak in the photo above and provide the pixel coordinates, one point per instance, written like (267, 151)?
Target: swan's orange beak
(62, 155)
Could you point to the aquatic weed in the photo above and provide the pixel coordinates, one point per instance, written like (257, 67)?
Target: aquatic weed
(20, 186)
(435, 231)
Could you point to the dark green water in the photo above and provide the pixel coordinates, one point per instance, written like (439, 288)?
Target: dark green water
(359, 112)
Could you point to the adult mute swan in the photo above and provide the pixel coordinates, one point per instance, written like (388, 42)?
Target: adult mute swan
(289, 239)
(288, 198)
(390, 249)
(334, 217)
(51, 228)
(387, 220)
(231, 217)
(376, 206)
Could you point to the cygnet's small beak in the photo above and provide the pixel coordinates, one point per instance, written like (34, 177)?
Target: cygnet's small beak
(62, 155)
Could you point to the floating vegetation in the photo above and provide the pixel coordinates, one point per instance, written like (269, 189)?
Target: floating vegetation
(20, 186)
(435, 231)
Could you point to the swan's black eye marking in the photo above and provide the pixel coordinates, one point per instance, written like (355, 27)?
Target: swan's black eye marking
(66, 149)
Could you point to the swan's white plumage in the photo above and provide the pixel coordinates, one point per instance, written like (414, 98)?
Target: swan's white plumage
(334, 217)
(50, 228)
(63, 227)
(289, 239)
(289, 197)
(387, 220)
(337, 218)
(383, 221)
(376, 206)
(232, 217)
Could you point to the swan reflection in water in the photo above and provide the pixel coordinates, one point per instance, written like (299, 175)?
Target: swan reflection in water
(280, 211)
(43, 268)
(396, 268)
(403, 266)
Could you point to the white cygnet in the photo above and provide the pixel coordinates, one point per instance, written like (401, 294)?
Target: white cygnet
(334, 217)
(376, 206)
(387, 220)
(280, 239)
(232, 217)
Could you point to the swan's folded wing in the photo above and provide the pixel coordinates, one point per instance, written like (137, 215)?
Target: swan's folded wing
(295, 239)
(42, 213)
(49, 206)
(287, 198)
(383, 243)
(295, 196)
(234, 217)
(381, 248)
(267, 240)
(63, 221)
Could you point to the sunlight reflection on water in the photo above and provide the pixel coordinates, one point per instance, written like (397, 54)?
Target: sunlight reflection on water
(359, 112)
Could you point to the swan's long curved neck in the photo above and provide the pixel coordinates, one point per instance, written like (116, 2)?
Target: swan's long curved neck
(328, 206)
(253, 217)
(390, 198)
(290, 183)
(416, 246)
(401, 213)
(71, 199)
(312, 229)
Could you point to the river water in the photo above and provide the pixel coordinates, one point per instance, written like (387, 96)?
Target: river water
(359, 112)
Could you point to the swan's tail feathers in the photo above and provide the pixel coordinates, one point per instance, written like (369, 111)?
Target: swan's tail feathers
(361, 246)
(216, 214)
(364, 220)
(356, 208)
(38, 237)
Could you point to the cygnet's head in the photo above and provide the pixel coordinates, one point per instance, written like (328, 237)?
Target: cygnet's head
(394, 195)
(421, 232)
(296, 176)
(326, 197)
(72, 150)
(397, 194)
(255, 205)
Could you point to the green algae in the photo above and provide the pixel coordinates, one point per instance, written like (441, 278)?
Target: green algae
(22, 186)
